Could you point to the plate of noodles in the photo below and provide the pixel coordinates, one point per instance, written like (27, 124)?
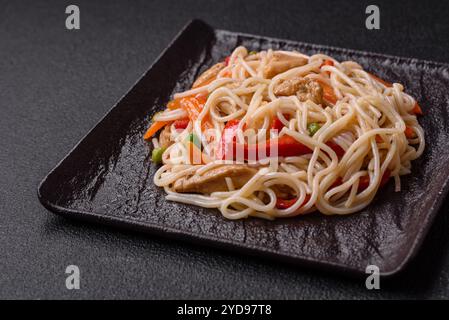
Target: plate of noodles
(303, 153)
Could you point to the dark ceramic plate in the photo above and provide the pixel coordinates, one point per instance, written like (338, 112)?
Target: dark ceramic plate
(107, 177)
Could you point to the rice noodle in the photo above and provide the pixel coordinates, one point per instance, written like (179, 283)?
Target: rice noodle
(367, 122)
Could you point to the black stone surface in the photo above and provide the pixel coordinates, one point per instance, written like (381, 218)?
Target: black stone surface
(56, 84)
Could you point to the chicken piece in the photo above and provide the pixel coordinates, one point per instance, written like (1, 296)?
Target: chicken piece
(209, 75)
(280, 63)
(214, 180)
(304, 88)
(165, 137)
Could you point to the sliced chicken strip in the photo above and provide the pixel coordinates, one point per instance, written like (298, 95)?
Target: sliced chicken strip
(282, 62)
(214, 180)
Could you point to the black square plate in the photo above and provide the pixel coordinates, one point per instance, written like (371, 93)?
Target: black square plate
(107, 177)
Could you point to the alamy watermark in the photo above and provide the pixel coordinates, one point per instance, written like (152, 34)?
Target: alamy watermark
(72, 282)
(72, 21)
(372, 22)
(373, 280)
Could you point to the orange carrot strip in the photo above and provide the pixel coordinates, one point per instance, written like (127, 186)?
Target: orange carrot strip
(417, 109)
(385, 83)
(328, 93)
(154, 128)
(327, 63)
(174, 104)
(205, 82)
(227, 74)
(193, 106)
(409, 132)
(201, 97)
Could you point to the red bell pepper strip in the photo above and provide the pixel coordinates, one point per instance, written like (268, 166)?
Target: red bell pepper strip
(379, 139)
(227, 139)
(385, 177)
(409, 133)
(365, 180)
(337, 182)
(181, 123)
(277, 124)
(287, 203)
(287, 146)
(337, 149)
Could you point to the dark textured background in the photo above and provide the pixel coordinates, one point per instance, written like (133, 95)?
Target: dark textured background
(56, 84)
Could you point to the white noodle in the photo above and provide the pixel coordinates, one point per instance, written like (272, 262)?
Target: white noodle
(367, 122)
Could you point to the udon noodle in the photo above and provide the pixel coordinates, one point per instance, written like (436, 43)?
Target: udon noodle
(340, 134)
